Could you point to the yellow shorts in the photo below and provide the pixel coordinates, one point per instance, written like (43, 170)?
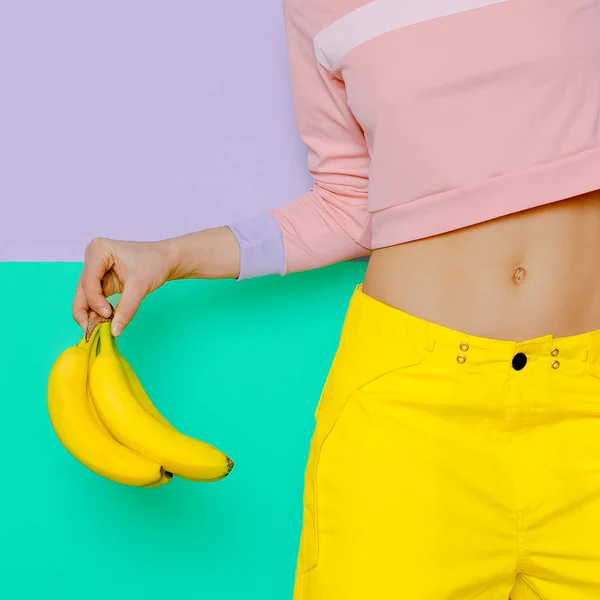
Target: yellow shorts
(445, 466)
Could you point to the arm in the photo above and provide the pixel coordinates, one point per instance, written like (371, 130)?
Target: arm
(330, 223)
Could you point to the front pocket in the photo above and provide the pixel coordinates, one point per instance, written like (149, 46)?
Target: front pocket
(348, 375)
(307, 557)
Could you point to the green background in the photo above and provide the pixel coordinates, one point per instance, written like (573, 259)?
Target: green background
(237, 364)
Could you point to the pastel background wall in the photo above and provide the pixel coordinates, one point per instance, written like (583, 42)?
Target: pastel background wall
(142, 120)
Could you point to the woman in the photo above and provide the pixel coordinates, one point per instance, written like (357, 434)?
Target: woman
(456, 452)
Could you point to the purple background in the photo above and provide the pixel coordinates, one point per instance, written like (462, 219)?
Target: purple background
(140, 120)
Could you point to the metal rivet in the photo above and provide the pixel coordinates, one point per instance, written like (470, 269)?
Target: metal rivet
(461, 358)
(464, 346)
(554, 352)
(555, 364)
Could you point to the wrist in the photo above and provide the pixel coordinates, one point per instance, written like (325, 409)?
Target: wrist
(173, 252)
(207, 254)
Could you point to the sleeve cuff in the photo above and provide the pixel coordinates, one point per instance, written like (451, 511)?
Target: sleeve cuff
(261, 246)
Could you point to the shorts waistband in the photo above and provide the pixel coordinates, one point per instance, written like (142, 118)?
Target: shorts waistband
(391, 324)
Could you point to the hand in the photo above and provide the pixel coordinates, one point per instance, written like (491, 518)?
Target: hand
(133, 269)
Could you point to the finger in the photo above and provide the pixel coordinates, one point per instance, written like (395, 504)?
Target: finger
(133, 294)
(80, 307)
(111, 284)
(97, 262)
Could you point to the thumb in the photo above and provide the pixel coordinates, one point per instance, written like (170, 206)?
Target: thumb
(133, 294)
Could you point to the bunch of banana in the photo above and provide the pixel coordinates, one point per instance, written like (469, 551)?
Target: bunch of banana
(104, 418)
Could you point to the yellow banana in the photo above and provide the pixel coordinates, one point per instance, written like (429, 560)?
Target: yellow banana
(166, 477)
(75, 425)
(139, 392)
(143, 399)
(93, 351)
(137, 429)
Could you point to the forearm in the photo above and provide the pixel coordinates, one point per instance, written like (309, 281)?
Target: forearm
(207, 254)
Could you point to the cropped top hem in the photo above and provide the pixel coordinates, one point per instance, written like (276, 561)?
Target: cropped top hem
(494, 198)
(262, 244)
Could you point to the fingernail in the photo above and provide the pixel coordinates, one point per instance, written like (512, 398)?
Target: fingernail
(105, 312)
(116, 328)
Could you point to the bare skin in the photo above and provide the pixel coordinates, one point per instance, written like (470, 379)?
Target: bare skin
(136, 269)
(517, 277)
(514, 278)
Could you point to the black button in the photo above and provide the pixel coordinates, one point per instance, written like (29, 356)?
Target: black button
(519, 361)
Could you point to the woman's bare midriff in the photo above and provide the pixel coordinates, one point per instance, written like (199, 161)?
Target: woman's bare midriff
(514, 278)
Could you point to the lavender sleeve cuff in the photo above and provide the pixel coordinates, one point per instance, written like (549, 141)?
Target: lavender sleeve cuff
(261, 246)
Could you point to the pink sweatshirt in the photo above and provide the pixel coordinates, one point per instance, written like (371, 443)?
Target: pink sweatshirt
(425, 116)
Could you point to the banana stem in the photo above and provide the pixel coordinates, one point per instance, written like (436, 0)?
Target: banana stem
(107, 341)
(94, 341)
(86, 343)
(94, 319)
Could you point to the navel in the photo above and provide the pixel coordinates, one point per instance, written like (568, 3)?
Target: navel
(519, 275)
